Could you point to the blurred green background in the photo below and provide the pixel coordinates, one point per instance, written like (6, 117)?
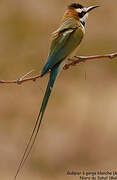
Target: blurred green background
(79, 130)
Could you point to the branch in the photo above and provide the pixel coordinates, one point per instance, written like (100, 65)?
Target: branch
(75, 60)
(80, 59)
(21, 79)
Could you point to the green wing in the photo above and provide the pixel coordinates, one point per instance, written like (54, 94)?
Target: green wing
(64, 41)
(66, 38)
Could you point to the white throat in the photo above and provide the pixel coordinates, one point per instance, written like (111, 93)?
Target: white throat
(83, 19)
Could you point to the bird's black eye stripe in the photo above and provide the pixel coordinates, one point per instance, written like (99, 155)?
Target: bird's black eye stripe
(81, 14)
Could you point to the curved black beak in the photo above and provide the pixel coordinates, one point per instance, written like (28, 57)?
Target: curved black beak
(91, 8)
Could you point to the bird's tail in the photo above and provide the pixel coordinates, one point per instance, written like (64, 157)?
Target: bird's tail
(53, 76)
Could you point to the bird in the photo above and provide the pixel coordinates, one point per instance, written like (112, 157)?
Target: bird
(64, 41)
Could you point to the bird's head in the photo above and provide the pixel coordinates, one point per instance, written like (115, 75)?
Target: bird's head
(80, 11)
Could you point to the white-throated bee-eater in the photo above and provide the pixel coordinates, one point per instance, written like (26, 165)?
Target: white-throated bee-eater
(64, 41)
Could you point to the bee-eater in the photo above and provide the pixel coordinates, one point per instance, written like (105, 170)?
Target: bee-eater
(64, 41)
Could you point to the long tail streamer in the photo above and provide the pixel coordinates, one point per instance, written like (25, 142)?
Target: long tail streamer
(36, 128)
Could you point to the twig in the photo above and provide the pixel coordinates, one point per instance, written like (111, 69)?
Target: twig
(80, 59)
(75, 60)
(21, 79)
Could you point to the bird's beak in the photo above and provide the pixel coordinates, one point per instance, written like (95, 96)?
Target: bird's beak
(91, 8)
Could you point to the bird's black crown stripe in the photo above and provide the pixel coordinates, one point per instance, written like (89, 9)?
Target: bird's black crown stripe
(75, 5)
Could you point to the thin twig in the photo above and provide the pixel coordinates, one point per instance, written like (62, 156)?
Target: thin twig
(24, 76)
(75, 60)
(20, 80)
(79, 59)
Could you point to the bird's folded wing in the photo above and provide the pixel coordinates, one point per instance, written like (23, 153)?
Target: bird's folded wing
(64, 41)
(64, 36)
(57, 48)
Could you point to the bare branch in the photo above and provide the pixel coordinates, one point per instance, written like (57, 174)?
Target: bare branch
(75, 60)
(21, 80)
(23, 77)
(79, 59)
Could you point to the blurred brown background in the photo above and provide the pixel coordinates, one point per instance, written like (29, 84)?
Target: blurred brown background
(79, 130)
